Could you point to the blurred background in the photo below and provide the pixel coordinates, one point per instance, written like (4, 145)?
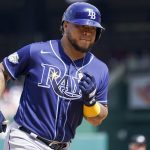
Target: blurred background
(124, 47)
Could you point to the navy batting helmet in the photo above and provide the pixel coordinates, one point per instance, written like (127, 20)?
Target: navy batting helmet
(138, 139)
(83, 13)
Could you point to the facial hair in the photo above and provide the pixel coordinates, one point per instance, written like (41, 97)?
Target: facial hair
(76, 46)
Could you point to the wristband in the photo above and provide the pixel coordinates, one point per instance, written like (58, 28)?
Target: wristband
(91, 111)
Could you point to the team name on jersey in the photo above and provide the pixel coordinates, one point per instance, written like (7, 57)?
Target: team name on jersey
(64, 85)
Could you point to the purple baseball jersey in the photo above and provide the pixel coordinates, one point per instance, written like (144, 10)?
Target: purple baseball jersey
(51, 102)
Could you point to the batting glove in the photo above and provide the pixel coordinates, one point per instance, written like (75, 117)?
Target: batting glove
(3, 125)
(88, 87)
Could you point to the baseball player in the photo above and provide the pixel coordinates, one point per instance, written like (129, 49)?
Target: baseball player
(64, 82)
(138, 142)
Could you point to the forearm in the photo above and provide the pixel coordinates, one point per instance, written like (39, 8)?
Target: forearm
(97, 120)
(2, 82)
(4, 77)
(93, 111)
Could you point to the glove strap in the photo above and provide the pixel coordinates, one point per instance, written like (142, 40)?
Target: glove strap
(91, 111)
(92, 102)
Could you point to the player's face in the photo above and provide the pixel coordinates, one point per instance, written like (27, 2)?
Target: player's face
(137, 147)
(81, 37)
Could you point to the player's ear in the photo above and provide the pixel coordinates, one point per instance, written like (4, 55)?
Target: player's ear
(65, 25)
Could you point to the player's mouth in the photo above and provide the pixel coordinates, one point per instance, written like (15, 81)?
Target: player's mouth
(85, 39)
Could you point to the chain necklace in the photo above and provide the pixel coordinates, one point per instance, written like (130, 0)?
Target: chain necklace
(80, 73)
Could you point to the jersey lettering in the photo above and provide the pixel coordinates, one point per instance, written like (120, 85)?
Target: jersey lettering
(49, 73)
(64, 86)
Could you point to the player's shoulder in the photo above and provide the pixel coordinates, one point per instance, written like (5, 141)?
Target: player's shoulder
(44, 46)
(38, 46)
(98, 63)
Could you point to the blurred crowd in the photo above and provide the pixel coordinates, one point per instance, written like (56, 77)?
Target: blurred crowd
(134, 60)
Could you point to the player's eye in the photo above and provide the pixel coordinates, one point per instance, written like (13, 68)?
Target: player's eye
(88, 28)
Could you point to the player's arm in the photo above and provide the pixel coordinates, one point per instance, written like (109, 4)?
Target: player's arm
(4, 77)
(97, 120)
(93, 111)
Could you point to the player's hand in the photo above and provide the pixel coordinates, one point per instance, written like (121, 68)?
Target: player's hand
(3, 123)
(88, 88)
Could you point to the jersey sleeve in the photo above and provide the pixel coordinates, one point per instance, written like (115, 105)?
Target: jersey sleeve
(18, 63)
(102, 92)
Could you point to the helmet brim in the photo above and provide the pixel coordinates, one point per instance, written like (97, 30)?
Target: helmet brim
(87, 22)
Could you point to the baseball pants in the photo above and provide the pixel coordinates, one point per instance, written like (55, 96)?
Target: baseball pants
(19, 140)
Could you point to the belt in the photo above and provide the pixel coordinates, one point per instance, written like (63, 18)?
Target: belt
(52, 144)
